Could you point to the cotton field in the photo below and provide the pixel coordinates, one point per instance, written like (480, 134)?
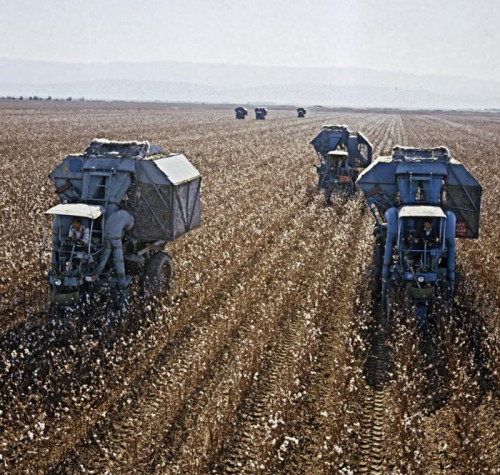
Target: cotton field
(269, 355)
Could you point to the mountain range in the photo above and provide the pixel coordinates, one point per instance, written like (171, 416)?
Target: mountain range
(228, 83)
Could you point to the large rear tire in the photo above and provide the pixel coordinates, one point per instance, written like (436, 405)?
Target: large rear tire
(158, 275)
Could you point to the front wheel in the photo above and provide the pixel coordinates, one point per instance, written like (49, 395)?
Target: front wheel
(158, 274)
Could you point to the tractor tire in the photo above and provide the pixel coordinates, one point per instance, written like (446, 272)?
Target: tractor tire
(158, 275)
(376, 271)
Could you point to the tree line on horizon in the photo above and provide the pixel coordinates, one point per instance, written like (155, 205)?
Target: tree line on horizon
(38, 98)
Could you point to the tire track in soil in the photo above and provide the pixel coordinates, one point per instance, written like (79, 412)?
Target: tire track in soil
(306, 456)
(187, 451)
(155, 389)
(246, 456)
(321, 420)
(319, 435)
(372, 454)
(264, 415)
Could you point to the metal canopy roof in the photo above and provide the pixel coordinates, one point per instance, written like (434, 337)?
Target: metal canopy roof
(421, 212)
(177, 168)
(81, 210)
(339, 153)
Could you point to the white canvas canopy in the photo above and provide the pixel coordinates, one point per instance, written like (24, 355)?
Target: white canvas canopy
(81, 210)
(421, 212)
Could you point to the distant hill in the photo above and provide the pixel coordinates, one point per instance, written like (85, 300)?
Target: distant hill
(176, 81)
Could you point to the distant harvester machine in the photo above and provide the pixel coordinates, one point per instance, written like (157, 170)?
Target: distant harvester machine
(343, 155)
(241, 112)
(301, 112)
(131, 198)
(260, 113)
(421, 199)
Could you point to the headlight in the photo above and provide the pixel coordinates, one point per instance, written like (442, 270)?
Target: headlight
(420, 279)
(57, 282)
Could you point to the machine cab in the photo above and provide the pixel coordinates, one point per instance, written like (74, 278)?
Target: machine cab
(338, 165)
(71, 259)
(421, 242)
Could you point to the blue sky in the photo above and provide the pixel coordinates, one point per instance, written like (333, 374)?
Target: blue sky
(443, 37)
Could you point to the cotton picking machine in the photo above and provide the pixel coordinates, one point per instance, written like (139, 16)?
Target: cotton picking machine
(422, 200)
(343, 155)
(130, 199)
(240, 112)
(301, 112)
(260, 113)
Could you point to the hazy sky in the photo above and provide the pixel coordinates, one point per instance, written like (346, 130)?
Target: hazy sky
(444, 37)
